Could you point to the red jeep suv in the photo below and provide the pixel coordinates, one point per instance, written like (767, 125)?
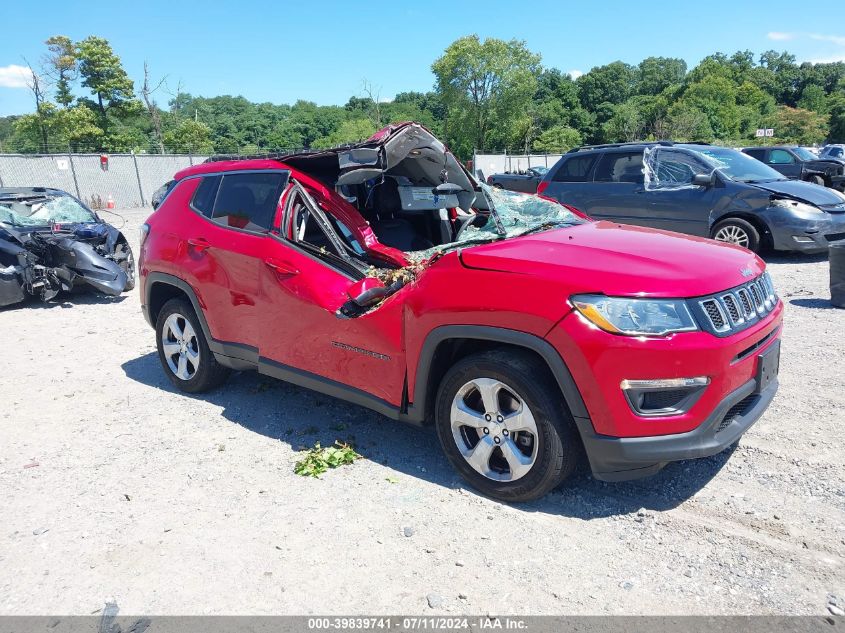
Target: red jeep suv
(382, 273)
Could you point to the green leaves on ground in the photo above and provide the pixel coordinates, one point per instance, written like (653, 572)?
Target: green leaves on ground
(318, 460)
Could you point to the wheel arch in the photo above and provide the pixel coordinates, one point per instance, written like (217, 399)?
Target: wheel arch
(447, 344)
(754, 220)
(161, 288)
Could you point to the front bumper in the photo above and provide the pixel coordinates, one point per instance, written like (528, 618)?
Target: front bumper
(623, 458)
(791, 232)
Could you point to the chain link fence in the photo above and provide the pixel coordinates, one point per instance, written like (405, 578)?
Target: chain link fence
(128, 179)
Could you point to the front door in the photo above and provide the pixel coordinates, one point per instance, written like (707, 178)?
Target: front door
(304, 281)
(785, 162)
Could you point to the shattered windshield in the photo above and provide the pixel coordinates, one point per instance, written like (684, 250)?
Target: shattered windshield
(736, 165)
(42, 210)
(511, 214)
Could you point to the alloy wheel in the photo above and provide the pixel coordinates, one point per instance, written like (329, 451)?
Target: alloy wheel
(733, 234)
(180, 346)
(494, 429)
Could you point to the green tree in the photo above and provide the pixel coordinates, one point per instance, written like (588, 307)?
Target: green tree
(102, 73)
(68, 128)
(189, 136)
(836, 107)
(61, 64)
(812, 98)
(658, 73)
(626, 124)
(613, 83)
(795, 125)
(558, 138)
(349, 132)
(486, 87)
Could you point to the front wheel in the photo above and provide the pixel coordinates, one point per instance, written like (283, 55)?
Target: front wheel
(739, 232)
(183, 350)
(504, 426)
(126, 260)
(816, 180)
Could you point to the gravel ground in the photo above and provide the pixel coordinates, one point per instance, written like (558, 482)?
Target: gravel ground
(117, 488)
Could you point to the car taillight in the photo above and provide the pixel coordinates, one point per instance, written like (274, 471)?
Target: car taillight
(489, 180)
(542, 187)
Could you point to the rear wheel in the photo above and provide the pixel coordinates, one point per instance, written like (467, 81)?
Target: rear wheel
(739, 232)
(503, 425)
(183, 350)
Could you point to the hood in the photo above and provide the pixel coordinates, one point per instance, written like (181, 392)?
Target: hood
(622, 260)
(803, 191)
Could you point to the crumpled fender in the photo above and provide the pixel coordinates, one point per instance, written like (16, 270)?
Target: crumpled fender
(97, 271)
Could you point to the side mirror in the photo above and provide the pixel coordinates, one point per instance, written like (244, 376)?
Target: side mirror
(367, 292)
(704, 180)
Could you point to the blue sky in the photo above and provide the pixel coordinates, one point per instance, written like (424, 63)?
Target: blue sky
(323, 50)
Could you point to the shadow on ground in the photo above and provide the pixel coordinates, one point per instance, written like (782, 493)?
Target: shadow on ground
(781, 257)
(822, 304)
(64, 300)
(302, 417)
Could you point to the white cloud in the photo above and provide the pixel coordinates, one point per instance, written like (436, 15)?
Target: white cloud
(780, 36)
(827, 60)
(839, 40)
(575, 73)
(14, 76)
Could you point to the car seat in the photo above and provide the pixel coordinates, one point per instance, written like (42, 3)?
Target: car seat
(389, 229)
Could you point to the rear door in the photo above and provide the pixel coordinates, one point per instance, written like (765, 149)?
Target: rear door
(617, 190)
(572, 180)
(223, 251)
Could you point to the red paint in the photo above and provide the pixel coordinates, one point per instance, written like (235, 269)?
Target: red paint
(255, 289)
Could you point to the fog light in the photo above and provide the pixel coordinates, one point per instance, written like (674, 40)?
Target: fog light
(802, 239)
(663, 397)
(666, 383)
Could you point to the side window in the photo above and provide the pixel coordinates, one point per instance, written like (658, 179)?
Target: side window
(837, 152)
(759, 154)
(620, 167)
(677, 168)
(248, 201)
(575, 169)
(780, 157)
(205, 194)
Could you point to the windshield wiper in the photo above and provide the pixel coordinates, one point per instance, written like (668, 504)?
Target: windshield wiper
(497, 220)
(545, 226)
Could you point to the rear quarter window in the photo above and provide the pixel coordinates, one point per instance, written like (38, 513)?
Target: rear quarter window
(205, 194)
(576, 168)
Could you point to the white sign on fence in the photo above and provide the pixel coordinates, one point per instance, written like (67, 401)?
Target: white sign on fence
(760, 132)
(61, 164)
(770, 131)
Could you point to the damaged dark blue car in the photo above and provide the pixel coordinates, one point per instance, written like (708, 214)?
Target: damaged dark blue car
(51, 242)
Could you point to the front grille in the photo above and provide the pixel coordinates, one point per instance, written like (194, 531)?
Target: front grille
(835, 237)
(739, 307)
(736, 411)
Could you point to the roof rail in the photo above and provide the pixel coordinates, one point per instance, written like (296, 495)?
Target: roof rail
(626, 144)
(268, 156)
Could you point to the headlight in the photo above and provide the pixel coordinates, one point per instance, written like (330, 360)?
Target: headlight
(635, 317)
(794, 205)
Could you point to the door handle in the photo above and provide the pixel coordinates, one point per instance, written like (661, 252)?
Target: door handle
(199, 244)
(283, 268)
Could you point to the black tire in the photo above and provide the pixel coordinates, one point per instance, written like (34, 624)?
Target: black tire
(816, 180)
(126, 260)
(738, 226)
(208, 373)
(558, 447)
(497, 185)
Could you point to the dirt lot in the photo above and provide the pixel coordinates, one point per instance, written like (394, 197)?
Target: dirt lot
(116, 488)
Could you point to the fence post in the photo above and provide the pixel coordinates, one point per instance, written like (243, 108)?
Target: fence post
(73, 172)
(138, 176)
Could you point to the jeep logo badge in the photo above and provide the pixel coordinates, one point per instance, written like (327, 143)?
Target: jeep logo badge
(746, 272)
